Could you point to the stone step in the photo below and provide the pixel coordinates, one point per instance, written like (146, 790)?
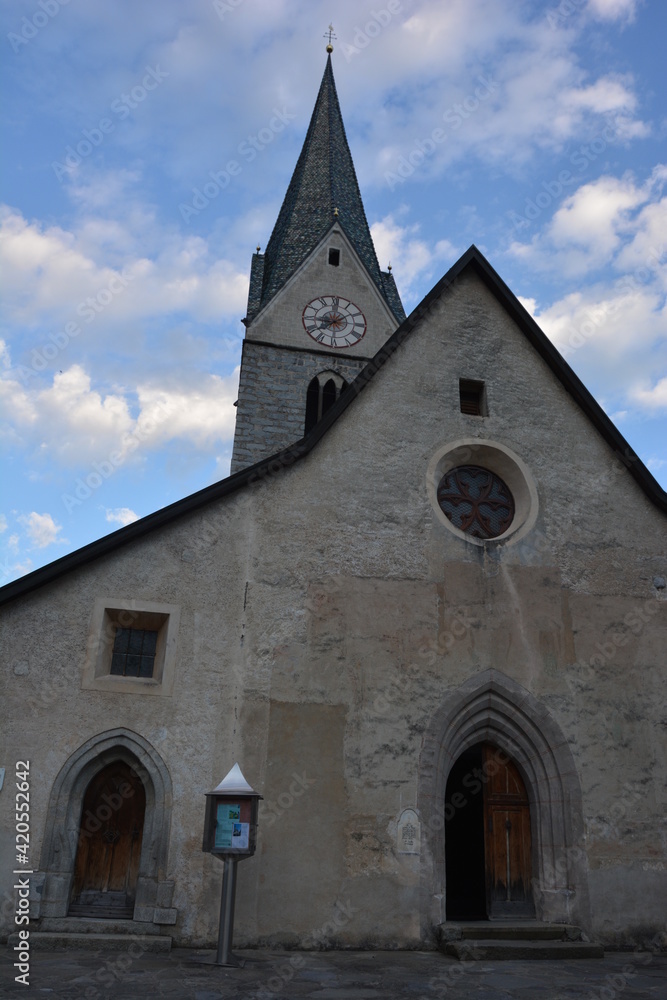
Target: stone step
(505, 930)
(507, 950)
(94, 925)
(54, 941)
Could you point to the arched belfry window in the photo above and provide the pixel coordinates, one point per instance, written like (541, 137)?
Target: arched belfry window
(323, 391)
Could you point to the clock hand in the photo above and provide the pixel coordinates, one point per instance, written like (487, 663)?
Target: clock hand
(329, 320)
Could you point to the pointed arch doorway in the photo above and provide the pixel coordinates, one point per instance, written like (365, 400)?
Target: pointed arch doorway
(492, 707)
(487, 838)
(109, 844)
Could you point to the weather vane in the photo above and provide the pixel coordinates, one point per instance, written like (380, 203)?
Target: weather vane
(330, 35)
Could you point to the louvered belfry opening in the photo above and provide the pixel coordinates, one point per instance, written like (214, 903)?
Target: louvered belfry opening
(472, 397)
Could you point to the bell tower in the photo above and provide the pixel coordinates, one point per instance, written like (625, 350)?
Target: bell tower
(319, 307)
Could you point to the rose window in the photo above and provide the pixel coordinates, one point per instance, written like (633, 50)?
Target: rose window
(476, 501)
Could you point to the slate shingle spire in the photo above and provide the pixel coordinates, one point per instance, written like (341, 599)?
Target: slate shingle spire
(324, 180)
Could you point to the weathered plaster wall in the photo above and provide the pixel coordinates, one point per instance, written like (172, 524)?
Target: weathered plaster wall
(328, 616)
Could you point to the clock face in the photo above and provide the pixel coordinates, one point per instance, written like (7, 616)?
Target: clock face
(334, 322)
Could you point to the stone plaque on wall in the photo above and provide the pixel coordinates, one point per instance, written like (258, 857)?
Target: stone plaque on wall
(408, 832)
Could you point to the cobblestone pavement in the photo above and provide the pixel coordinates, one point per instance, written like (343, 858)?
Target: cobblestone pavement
(333, 975)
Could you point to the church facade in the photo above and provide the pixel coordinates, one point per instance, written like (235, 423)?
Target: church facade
(426, 613)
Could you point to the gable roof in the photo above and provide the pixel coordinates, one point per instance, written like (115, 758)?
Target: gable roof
(323, 189)
(472, 260)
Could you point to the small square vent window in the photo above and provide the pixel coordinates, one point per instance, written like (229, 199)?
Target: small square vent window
(334, 257)
(472, 397)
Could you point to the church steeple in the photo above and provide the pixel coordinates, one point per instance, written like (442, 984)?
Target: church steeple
(323, 190)
(319, 307)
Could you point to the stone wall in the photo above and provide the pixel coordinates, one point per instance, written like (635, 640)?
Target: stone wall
(271, 409)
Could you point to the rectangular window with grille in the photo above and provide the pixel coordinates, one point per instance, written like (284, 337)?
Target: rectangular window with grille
(472, 397)
(134, 652)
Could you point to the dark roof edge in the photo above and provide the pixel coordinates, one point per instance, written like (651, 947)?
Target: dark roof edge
(570, 380)
(274, 464)
(254, 474)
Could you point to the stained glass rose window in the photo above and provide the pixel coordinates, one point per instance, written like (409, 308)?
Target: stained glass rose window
(476, 501)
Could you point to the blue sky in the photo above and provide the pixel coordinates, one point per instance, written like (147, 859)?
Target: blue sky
(535, 130)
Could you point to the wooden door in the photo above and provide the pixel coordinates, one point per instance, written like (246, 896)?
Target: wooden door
(109, 848)
(507, 842)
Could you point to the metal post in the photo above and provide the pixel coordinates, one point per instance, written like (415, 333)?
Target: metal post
(226, 931)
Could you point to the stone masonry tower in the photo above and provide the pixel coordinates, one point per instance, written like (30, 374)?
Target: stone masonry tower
(319, 307)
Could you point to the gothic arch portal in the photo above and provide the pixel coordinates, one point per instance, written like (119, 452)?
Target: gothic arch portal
(64, 818)
(495, 709)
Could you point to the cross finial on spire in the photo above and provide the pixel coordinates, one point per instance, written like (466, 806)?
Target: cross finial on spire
(330, 35)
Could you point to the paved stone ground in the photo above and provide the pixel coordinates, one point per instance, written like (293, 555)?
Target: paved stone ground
(333, 975)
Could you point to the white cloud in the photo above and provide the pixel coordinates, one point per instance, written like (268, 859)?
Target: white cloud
(607, 94)
(541, 96)
(41, 529)
(202, 414)
(76, 423)
(601, 223)
(613, 335)
(652, 398)
(3, 523)
(120, 515)
(410, 256)
(613, 10)
(595, 216)
(617, 321)
(52, 273)
(613, 331)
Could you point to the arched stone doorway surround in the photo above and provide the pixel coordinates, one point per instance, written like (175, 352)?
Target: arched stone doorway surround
(491, 707)
(154, 892)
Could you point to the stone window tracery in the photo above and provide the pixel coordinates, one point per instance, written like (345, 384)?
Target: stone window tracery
(476, 501)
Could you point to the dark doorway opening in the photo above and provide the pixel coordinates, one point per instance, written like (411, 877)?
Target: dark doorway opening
(464, 839)
(109, 847)
(487, 838)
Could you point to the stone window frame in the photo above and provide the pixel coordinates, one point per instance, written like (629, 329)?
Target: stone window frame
(110, 612)
(497, 458)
